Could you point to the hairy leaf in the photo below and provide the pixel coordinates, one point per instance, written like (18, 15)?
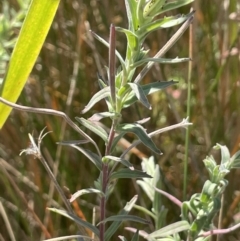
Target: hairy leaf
(127, 173)
(101, 94)
(171, 229)
(137, 89)
(147, 89)
(84, 191)
(139, 131)
(114, 226)
(98, 130)
(125, 218)
(76, 219)
(123, 161)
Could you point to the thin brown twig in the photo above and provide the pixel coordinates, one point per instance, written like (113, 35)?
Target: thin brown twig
(51, 112)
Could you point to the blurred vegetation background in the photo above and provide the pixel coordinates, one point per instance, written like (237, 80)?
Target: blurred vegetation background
(65, 77)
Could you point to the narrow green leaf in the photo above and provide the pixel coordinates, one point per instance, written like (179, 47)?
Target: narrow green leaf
(137, 89)
(101, 94)
(114, 226)
(171, 229)
(225, 155)
(132, 38)
(123, 161)
(147, 89)
(135, 236)
(122, 238)
(116, 140)
(84, 191)
(173, 5)
(94, 158)
(160, 61)
(98, 130)
(72, 142)
(101, 115)
(131, 7)
(70, 237)
(76, 219)
(127, 173)
(31, 38)
(104, 42)
(152, 8)
(125, 218)
(139, 131)
(165, 22)
(235, 160)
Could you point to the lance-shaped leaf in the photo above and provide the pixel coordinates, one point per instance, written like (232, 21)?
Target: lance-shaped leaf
(98, 130)
(173, 5)
(84, 191)
(114, 226)
(225, 155)
(101, 115)
(107, 45)
(121, 160)
(125, 218)
(73, 142)
(152, 7)
(96, 98)
(127, 173)
(137, 89)
(94, 158)
(135, 236)
(132, 38)
(160, 61)
(147, 89)
(116, 140)
(76, 219)
(31, 38)
(131, 7)
(235, 160)
(140, 132)
(166, 22)
(170, 229)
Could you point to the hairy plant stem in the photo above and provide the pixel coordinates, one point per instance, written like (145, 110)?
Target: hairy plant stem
(103, 200)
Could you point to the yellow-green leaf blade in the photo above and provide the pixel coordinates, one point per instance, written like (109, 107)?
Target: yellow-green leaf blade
(31, 38)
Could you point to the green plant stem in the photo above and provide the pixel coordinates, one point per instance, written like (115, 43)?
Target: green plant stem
(103, 201)
(188, 112)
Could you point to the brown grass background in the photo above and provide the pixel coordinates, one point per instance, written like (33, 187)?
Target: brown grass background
(215, 114)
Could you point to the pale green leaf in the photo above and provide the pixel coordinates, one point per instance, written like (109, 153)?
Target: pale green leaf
(137, 89)
(31, 38)
(84, 191)
(160, 61)
(139, 131)
(94, 158)
(173, 5)
(127, 173)
(171, 229)
(76, 219)
(101, 94)
(125, 218)
(115, 225)
(98, 130)
(147, 89)
(123, 161)
(132, 39)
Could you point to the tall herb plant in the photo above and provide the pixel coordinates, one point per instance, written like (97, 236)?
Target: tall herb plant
(122, 89)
